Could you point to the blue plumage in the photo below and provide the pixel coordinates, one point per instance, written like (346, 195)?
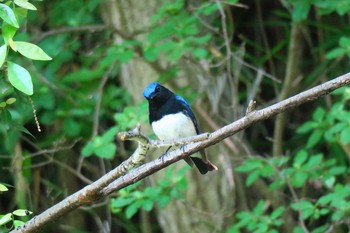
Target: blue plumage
(171, 117)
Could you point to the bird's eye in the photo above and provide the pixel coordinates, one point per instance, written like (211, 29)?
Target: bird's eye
(158, 88)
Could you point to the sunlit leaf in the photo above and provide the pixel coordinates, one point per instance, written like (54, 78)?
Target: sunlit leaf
(20, 78)
(3, 188)
(25, 4)
(3, 53)
(21, 212)
(8, 32)
(7, 14)
(31, 51)
(5, 219)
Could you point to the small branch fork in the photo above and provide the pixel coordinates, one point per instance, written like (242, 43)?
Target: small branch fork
(122, 176)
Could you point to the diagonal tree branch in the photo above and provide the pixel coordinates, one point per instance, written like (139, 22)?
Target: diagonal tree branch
(121, 177)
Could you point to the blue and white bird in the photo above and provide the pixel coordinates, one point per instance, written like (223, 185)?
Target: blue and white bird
(171, 118)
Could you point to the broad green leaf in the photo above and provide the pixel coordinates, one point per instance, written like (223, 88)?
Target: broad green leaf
(25, 4)
(7, 14)
(17, 223)
(106, 151)
(335, 53)
(3, 104)
(315, 160)
(259, 208)
(163, 201)
(299, 179)
(3, 188)
(314, 138)
(252, 177)
(306, 127)
(3, 53)
(121, 202)
(249, 165)
(267, 171)
(200, 53)
(277, 212)
(301, 10)
(10, 100)
(132, 209)
(109, 136)
(345, 136)
(306, 208)
(21, 212)
(31, 51)
(8, 32)
(147, 205)
(319, 114)
(20, 78)
(5, 219)
(88, 149)
(300, 158)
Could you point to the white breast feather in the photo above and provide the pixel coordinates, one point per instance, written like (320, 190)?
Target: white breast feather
(174, 126)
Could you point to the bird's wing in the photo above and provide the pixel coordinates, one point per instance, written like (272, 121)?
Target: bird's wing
(188, 112)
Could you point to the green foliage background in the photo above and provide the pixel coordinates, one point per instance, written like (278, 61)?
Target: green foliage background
(62, 102)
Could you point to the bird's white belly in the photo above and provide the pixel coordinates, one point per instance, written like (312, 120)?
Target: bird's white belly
(174, 126)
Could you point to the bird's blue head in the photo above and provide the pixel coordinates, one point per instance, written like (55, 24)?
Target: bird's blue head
(150, 90)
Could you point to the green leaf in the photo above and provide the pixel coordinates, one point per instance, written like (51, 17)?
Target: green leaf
(31, 51)
(3, 53)
(132, 209)
(319, 114)
(267, 171)
(3, 188)
(163, 201)
(109, 136)
(147, 205)
(10, 101)
(335, 53)
(315, 160)
(121, 202)
(321, 229)
(301, 10)
(88, 149)
(345, 136)
(314, 138)
(300, 158)
(299, 179)
(306, 208)
(20, 78)
(306, 127)
(249, 165)
(200, 53)
(25, 4)
(106, 151)
(277, 212)
(21, 212)
(252, 177)
(7, 14)
(18, 223)
(259, 208)
(337, 170)
(5, 219)
(8, 32)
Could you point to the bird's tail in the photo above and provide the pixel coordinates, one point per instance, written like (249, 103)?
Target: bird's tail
(202, 166)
